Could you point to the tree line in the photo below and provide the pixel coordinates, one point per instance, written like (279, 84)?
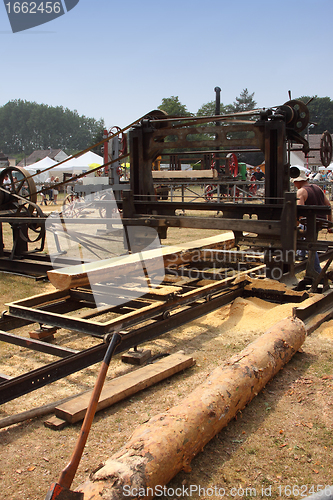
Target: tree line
(320, 109)
(27, 126)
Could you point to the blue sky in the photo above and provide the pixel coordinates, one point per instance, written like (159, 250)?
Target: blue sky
(117, 59)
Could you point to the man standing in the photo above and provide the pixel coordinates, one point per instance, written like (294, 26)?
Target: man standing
(311, 194)
(259, 174)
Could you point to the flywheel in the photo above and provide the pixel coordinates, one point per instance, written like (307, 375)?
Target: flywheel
(326, 148)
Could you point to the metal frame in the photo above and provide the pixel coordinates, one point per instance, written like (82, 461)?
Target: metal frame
(163, 317)
(275, 224)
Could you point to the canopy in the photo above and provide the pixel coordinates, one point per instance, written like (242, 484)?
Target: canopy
(75, 165)
(330, 167)
(88, 158)
(41, 165)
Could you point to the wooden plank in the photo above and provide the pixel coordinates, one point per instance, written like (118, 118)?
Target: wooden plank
(183, 174)
(55, 423)
(100, 271)
(125, 386)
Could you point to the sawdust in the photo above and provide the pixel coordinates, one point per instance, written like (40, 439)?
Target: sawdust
(326, 330)
(248, 318)
(268, 284)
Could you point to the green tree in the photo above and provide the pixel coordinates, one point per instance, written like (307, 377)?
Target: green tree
(244, 102)
(208, 109)
(29, 126)
(321, 112)
(174, 107)
(98, 137)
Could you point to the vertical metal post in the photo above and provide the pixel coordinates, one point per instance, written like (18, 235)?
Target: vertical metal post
(106, 151)
(217, 113)
(141, 179)
(277, 175)
(1, 240)
(114, 169)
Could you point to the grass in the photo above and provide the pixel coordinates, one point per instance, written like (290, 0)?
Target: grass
(18, 287)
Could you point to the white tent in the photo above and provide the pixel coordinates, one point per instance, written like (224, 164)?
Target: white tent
(40, 166)
(330, 167)
(80, 164)
(69, 166)
(72, 166)
(89, 158)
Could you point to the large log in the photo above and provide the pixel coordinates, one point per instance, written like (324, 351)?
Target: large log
(166, 444)
(100, 271)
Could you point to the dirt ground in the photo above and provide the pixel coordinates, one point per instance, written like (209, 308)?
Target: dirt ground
(279, 446)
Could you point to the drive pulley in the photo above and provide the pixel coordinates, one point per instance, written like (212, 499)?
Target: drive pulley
(16, 183)
(18, 199)
(326, 148)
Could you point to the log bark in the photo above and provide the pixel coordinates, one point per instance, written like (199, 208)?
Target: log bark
(166, 444)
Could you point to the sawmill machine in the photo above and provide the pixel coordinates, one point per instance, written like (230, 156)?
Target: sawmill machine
(270, 225)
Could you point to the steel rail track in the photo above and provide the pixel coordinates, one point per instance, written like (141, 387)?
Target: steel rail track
(24, 384)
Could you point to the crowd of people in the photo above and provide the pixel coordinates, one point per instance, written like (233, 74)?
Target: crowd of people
(326, 175)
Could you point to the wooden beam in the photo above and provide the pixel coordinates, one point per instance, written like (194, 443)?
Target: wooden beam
(125, 386)
(184, 174)
(103, 270)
